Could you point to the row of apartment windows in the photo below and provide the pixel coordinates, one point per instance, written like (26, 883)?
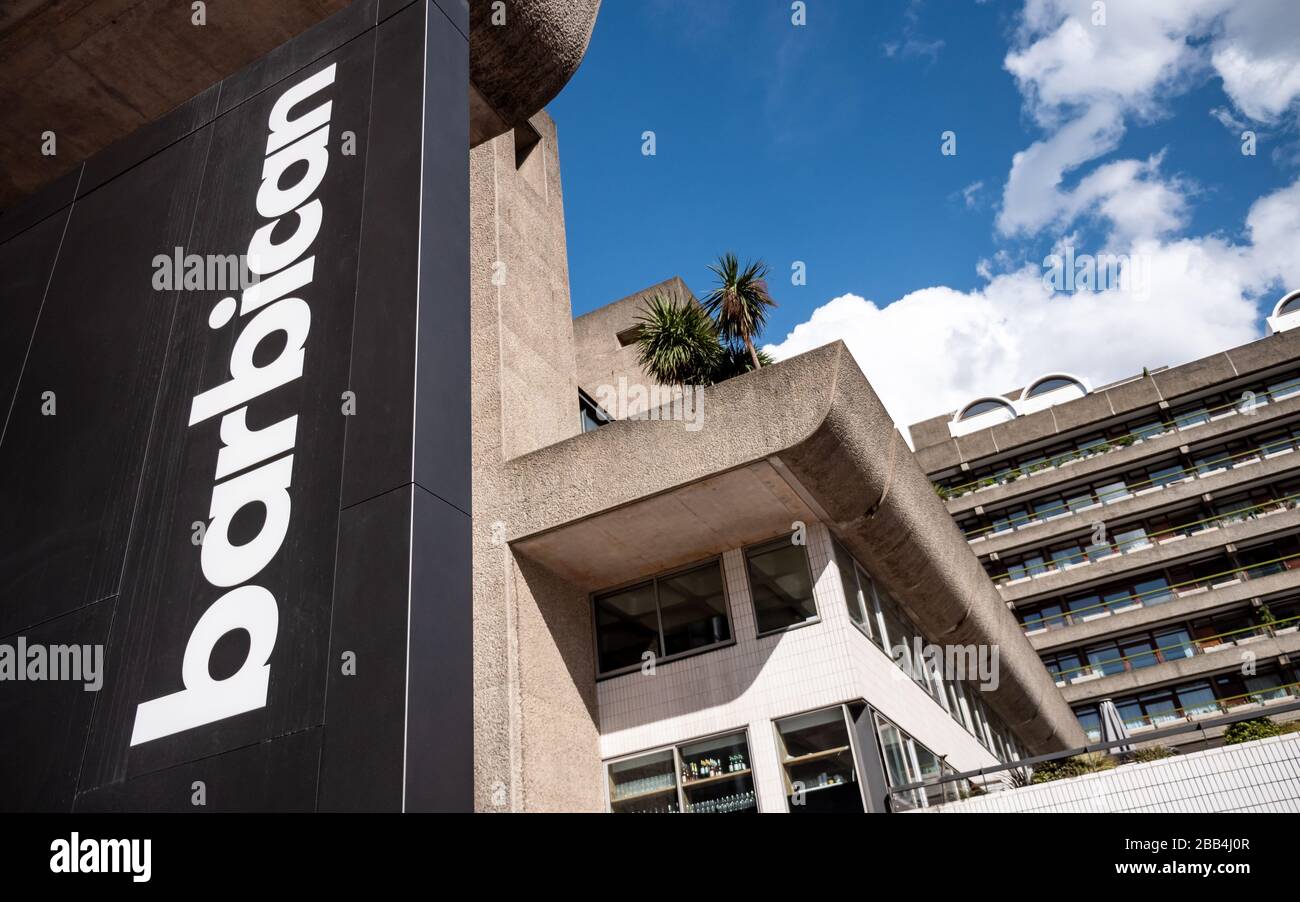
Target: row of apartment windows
(1172, 704)
(1118, 486)
(1134, 535)
(1170, 643)
(685, 611)
(1158, 586)
(1134, 429)
(819, 758)
(881, 619)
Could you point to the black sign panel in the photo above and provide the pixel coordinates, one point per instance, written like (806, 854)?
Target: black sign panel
(173, 465)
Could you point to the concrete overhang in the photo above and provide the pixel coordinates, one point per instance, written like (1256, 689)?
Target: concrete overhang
(807, 435)
(683, 525)
(521, 54)
(96, 71)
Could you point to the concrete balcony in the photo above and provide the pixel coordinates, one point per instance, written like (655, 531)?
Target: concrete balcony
(1202, 662)
(1147, 616)
(1165, 553)
(1252, 471)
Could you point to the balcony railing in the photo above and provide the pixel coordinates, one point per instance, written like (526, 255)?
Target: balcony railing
(1181, 423)
(1152, 597)
(1181, 651)
(1175, 477)
(1094, 553)
(1231, 705)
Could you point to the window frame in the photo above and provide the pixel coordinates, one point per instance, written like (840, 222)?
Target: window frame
(816, 617)
(854, 750)
(661, 658)
(675, 747)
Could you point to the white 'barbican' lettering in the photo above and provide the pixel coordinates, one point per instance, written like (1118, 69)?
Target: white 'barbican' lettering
(285, 269)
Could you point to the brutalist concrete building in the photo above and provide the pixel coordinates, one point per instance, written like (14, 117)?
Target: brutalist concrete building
(358, 535)
(1145, 533)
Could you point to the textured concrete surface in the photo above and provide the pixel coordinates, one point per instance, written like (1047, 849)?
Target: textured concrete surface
(96, 70)
(601, 360)
(519, 65)
(818, 418)
(536, 740)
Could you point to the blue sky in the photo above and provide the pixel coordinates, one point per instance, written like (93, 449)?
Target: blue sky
(822, 144)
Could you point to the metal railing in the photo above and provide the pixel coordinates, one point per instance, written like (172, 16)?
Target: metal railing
(1175, 477)
(1122, 603)
(1165, 653)
(1219, 706)
(1098, 552)
(1202, 726)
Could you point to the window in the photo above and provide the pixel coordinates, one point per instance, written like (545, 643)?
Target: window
(1138, 653)
(1132, 539)
(717, 777)
(781, 583)
(591, 414)
(1090, 721)
(711, 776)
(817, 763)
(853, 596)
(1051, 384)
(1167, 475)
(693, 610)
(1194, 416)
(908, 761)
(987, 406)
(859, 594)
(627, 626)
(644, 785)
(1288, 387)
(1174, 644)
(628, 336)
(667, 616)
(1112, 491)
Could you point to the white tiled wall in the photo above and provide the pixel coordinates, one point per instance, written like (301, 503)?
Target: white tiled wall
(1253, 776)
(757, 681)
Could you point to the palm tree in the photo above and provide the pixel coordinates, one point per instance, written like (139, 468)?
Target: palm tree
(739, 303)
(735, 361)
(677, 342)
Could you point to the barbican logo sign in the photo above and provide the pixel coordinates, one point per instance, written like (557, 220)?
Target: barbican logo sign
(297, 152)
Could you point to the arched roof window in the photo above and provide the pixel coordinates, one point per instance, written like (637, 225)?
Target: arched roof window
(985, 405)
(1052, 383)
(1289, 304)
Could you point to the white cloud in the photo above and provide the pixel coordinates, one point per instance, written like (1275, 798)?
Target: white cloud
(970, 195)
(934, 349)
(1257, 55)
